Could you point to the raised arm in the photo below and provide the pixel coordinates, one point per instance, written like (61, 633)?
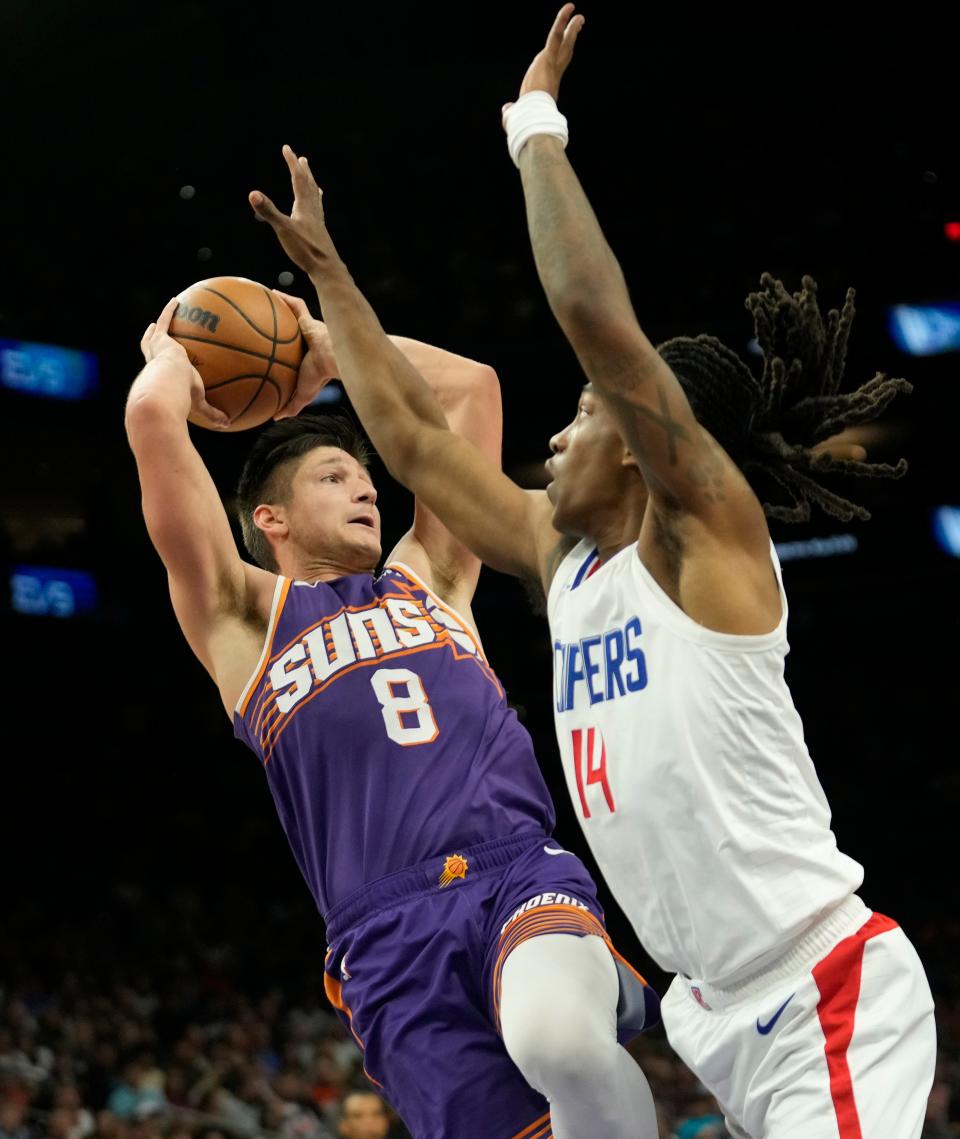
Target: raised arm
(505, 526)
(685, 470)
(469, 395)
(216, 596)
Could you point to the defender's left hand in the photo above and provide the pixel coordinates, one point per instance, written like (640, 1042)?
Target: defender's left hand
(303, 234)
(549, 64)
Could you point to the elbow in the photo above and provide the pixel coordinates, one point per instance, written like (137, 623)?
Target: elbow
(469, 385)
(486, 379)
(136, 416)
(590, 323)
(487, 406)
(481, 389)
(578, 306)
(584, 300)
(477, 385)
(147, 413)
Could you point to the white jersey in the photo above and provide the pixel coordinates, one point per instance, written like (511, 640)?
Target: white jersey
(685, 760)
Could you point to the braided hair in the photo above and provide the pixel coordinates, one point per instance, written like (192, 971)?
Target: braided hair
(769, 425)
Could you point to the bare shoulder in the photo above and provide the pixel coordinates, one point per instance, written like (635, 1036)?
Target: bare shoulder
(725, 586)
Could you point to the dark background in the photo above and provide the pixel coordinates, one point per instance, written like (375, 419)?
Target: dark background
(713, 149)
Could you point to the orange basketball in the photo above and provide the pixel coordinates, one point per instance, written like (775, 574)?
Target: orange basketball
(245, 343)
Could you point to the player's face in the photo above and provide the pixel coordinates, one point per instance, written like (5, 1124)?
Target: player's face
(364, 1117)
(332, 510)
(586, 469)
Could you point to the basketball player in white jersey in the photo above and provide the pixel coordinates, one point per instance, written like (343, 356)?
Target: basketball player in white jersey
(806, 1014)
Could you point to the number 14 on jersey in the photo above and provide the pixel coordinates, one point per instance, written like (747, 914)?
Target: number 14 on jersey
(590, 766)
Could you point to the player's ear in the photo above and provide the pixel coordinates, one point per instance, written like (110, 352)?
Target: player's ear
(270, 519)
(627, 459)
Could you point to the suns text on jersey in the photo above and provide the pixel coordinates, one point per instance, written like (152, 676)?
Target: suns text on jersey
(393, 626)
(604, 667)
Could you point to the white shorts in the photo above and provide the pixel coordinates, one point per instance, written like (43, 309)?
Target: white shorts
(834, 1041)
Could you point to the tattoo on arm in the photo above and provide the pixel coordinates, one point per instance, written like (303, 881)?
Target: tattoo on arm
(673, 429)
(708, 476)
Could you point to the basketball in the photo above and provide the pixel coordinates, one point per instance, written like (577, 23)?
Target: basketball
(245, 343)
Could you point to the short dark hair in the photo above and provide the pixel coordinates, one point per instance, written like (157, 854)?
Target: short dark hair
(768, 426)
(267, 474)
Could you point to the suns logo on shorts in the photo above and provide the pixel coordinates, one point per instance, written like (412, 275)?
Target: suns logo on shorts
(456, 866)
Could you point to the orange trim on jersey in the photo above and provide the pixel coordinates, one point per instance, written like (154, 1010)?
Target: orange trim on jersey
(270, 723)
(266, 694)
(269, 737)
(374, 662)
(346, 609)
(443, 634)
(401, 567)
(334, 991)
(258, 706)
(543, 1121)
(411, 586)
(274, 622)
(406, 595)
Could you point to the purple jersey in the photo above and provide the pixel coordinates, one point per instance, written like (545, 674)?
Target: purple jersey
(385, 735)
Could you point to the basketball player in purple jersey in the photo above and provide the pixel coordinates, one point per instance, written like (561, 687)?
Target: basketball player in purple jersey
(803, 1012)
(407, 788)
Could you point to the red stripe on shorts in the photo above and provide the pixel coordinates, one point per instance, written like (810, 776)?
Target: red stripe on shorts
(838, 980)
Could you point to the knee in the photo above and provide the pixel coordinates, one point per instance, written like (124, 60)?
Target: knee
(565, 1044)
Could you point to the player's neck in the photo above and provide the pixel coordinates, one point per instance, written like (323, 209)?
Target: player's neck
(321, 569)
(614, 532)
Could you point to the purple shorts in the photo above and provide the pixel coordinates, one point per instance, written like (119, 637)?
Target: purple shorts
(413, 969)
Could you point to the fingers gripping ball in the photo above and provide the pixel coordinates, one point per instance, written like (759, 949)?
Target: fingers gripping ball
(245, 343)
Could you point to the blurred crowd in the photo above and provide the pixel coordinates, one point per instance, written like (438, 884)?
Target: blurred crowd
(185, 1017)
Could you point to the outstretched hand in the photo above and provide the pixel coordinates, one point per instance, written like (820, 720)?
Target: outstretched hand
(158, 344)
(549, 64)
(318, 367)
(303, 234)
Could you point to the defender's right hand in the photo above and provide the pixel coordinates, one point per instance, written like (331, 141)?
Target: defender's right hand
(158, 346)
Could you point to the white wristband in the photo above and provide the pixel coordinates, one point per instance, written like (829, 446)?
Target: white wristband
(533, 113)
